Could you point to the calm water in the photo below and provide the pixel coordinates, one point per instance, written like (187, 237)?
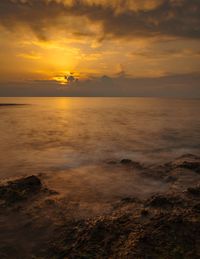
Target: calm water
(51, 134)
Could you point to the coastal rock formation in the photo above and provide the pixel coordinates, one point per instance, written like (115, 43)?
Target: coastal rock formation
(188, 161)
(157, 233)
(194, 190)
(161, 201)
(165, 225)
(21, 189)
(129, 162)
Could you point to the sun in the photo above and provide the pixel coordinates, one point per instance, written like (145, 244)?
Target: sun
(66, 78)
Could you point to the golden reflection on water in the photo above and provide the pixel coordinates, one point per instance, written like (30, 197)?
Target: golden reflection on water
(63, 103)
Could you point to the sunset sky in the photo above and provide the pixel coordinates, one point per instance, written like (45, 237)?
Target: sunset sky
(100, 47)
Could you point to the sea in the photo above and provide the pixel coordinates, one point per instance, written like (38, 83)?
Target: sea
(46, 135)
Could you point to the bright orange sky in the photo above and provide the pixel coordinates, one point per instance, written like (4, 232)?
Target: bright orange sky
(56, 40)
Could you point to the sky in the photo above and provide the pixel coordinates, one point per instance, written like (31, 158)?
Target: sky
(100, 48)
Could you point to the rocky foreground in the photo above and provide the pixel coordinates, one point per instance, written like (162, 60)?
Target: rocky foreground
(34, 224)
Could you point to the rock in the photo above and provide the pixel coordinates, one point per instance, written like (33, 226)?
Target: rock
(166, 235)
(194, 190)
(188, 161)
(52, 192)
(50, 202)
(189, 156)
(134, 164)
(192, 165)
(196, 207)
(30, 182)
(158, 201)
(170, 179)
(162, 201)
(164, 226)
(144, 212)
(126, 161)
(20, 189)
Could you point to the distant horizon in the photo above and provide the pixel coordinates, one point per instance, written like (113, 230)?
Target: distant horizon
(173, 86)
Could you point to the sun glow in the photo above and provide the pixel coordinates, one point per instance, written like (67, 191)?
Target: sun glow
(62, 80)
(66, 78)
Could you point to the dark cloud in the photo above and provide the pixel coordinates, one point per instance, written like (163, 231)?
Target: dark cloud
(187, 86)
(179, 18)
(71, 79)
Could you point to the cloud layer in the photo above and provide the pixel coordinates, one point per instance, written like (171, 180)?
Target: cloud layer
(117, 18)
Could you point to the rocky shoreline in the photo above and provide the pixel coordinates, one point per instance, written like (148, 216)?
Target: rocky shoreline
(33, 224)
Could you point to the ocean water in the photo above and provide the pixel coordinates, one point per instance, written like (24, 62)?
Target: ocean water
(52, 134)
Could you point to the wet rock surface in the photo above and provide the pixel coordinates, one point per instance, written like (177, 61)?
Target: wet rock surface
(129, 162)
(194, 190)
(188, 161)
(16, 191)
(162, 234)
(161, 201)
(165, 225)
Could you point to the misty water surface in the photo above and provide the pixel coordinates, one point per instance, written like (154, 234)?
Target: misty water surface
(52, 134)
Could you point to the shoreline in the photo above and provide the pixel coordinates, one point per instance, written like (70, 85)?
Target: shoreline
(37, 221)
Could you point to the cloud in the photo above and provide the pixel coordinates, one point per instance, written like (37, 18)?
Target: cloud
(31, 56)
(166, 53)
(70, 79)
(117, 18)
(186, 86)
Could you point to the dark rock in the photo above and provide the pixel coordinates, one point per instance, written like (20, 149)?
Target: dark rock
(134, 164)
(50, 202)
(126, 161)
(194, 190)
(163, 236)
(188, 161)
(144, 212)
(20, 189)
(170, 179)
(189, 156)
(168, 236)
(30, 182)
(196, 207)
(193, 165)
(162, 201)
(52, 192)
